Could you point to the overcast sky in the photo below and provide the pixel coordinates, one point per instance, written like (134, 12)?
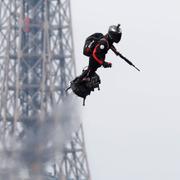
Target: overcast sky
(132, 126)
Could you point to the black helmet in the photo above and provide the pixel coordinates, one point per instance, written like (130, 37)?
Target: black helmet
(115, 33)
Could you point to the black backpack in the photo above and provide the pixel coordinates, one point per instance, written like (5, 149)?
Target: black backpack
(91, 42)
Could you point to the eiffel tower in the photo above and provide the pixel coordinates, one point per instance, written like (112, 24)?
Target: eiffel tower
(36, 65)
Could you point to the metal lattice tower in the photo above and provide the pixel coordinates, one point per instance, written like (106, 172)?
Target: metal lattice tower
(36, 66)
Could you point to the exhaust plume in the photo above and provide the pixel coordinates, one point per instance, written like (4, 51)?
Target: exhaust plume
(42, 143)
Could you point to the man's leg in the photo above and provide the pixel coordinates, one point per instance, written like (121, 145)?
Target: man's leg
(89, 72)
(86, 75)
(93, 66)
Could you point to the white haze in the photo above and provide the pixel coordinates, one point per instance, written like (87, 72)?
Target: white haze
(44, 141)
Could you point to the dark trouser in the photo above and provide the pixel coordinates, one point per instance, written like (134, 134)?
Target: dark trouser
(92, 67)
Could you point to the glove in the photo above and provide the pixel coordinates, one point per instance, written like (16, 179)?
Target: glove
(107, 64)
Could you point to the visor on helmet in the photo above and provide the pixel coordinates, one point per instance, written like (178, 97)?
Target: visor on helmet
(115, 33)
